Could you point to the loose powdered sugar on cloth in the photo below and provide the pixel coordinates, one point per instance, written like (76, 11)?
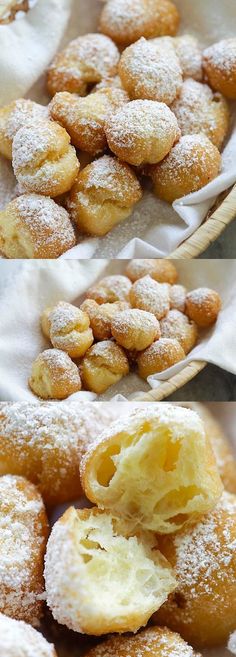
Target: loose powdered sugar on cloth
(154, 229)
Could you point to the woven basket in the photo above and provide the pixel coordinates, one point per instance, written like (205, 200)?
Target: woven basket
(166, 388)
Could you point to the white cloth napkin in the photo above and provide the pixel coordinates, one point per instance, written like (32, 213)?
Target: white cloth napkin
(155, 229)
(38, 284)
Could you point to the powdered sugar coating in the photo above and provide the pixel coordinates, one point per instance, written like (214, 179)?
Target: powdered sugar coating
(159, 356)
(203, 306)
(153, 641)
(190, 56)
(54, 375)
(108, 354)
(24, 112)
(110, 289)
(147, 294)
(219, 63)
(161, 270)
(178, 297)
(128, 20)
(135, 329)
(176, 325)
(17, 639)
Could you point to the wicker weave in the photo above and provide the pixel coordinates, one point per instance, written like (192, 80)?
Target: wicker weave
(166, 388)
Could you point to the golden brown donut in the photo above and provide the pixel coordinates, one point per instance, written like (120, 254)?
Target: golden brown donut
(43, 159)
(203, 306)
(151, 70)
(85, 61)
(159, 356)
(147, 294)
(146, 469)
(33, 226)
(142, 132)
(84, 118)
(103, 195)
(13, 117)
(104, 364)
(69, 329)
(126, 21)
(219, 64)
(135, 329)
(151, 642)
(178, 297)
(163, 271)
(45, 443)
(24, 533)
(200, 110)
(203, 608)
(192, 164)
(102, 315)
(54, 375)
(176, 325)
(19, 638)
(110, 289)
(188, 50)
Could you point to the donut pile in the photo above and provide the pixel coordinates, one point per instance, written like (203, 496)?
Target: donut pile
(155, 543)
(130, 101)
(141, 320)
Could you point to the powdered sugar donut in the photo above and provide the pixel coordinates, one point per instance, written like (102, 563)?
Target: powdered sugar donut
(163, 271)
(159, 356)
(24, 533)
(189, 53)
(110, 289)
(203, 306)
(85, 61)
(176, 325)
(151, 296)
(158, 641)
(126, 21)
(54, 375)
(104, 364)
(142, 132)
(191, 164)
(102, 315)
(219, 63)
(33, 226)
(69, 329)
(135, 329)
(178, 297)
(19, 638)
(19, 113)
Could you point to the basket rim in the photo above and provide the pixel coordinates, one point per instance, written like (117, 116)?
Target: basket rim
(167, 388)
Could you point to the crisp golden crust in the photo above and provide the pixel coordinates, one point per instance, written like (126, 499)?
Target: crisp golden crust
(99, 580)
(103, 195)
(43, 159)
(178, 297)
(104, 364)
(110, 289)
(102, 315)
(151, 642)
(19, 638)
(147, 294)
(177, 326)
(126, 21)
(69, 329)
(135, 329)
(159, 356)
(204, 557)
(32, 226)
(172, 474)
(45, 443)
(219, 64)
(13, 117)
(24, 533)
(200, 110)
(142, 132)
(191, 165)
(163, 271)
(203, 306)
(54, 375)
(84, 118)
(151, 70)
(85, 61)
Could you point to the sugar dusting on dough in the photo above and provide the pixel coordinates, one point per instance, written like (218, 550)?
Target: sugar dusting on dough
(18, 639)
(45, 219)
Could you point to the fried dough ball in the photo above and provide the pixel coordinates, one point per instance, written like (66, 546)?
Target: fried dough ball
(192, 164)
(85, 61)
(69, 328)
(111, 82)
(84, 118)
(104, 364)
(203, 306)
(147, 294)
(151, 642)
(32, 226)
(99, 581)
(45, 443)
(43, 159)
(103, 195)
(14, 116)
(142, 132)
(24, 533)
(110, 289)
(178, 297)
(203, 608)
(200, 110)
(177, 326)
(155, 468)
(159, 357)
(135, 329)
(126, 21)
(163, 271)
(19, 638)
(54, 375)
(151, 70)
(190, 56)
(102, 315)
(219, 64)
